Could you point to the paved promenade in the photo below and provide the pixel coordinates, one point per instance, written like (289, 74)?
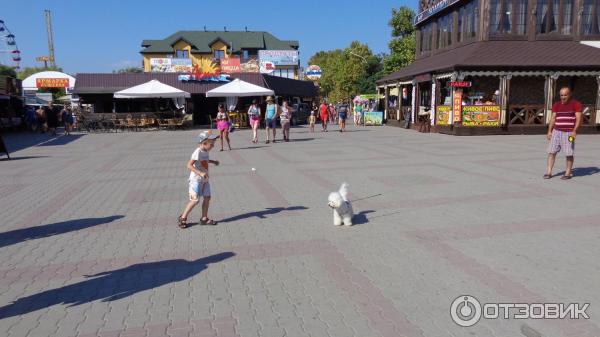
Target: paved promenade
(89, 244)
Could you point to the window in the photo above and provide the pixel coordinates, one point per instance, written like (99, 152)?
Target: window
(182, 54)
(467, 21)
(554, 16)
(444, 31)
(426, 37)
(590, 17)
(508, 17)
(219, 54)
(245, 55)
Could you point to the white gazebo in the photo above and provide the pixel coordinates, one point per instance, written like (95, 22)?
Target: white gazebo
(239, 88)
(37, 80)
(152, 89)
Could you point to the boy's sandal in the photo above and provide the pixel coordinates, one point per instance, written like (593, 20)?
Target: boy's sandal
(207, 222)
(547, 176)
(566, 177)
(182, 222)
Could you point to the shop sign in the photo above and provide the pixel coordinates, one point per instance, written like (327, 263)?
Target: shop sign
(231, 65)
(481, 115)
(457, 106)
(313, 72)
(441, 5)
(442, 114)
(267, 67)
(279, 57)
(251, 66)
(170, 65)
(373, 117)
(461, 84)
(52, 82)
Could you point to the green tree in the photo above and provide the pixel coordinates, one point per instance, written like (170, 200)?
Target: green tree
(28, 71)
(129, 70)
(403, 43)
(347, 72)
(7, 71)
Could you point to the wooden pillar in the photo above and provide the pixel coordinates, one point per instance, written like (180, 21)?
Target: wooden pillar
(414, 102)
(598, 101)
(504, 99)
(399, 102)
(387, 102)
(550, 88)
(433, 100)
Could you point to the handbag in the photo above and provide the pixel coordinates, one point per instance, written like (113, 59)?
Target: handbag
(231, 127)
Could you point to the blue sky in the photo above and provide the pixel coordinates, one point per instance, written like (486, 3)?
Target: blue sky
(103, 35)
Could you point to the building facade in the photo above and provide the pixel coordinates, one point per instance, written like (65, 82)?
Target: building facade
(227, 51)
(496, 66)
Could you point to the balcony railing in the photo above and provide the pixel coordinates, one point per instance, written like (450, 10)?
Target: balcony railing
(526, 115)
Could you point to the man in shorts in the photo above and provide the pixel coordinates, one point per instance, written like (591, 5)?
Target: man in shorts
(566, 119)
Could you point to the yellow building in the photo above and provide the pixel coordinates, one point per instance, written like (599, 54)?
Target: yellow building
(205, 49)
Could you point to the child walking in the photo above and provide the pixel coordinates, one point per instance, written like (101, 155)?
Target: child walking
(199, 186)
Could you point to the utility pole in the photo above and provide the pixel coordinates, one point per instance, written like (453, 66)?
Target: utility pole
(50, 39)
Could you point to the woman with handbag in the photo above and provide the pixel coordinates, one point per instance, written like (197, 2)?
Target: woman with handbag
(223, 125)
(284, 119)
(254, 118)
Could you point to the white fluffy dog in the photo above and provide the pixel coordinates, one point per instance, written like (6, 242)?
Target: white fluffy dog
(342, 208)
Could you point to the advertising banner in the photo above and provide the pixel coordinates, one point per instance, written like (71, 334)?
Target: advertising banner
(170, 65)
(481, 115)
(279, 57)
(313, 72)
(52, 82)
(250, 66)
(231, 65)
(373, 118)
(442, 114)
(457, 106)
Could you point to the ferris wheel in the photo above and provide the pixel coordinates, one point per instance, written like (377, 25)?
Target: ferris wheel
(10, 55)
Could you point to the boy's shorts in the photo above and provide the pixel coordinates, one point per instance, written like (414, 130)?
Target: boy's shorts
(199, 189)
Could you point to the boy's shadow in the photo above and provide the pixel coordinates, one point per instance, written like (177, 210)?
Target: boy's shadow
(38, 232)
(113, 285)
(263, 214)
(361, 218)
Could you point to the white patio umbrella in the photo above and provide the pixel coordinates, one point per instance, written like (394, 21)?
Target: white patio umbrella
(239, 88)
(151, 89)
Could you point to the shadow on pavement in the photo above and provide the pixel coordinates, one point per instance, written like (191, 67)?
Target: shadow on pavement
(583, 171)
(22, 158)
(114, 284)
(62, 140)
(248, 148)
(361, 218)
(38, 232)
(263, 214)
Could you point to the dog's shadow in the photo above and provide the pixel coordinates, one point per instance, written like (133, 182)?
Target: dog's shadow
(361, 218)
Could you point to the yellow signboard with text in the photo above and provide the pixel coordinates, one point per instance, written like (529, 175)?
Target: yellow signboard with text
(442, 114)
(481, 115)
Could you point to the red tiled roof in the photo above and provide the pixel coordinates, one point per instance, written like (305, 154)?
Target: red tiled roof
(499, 55)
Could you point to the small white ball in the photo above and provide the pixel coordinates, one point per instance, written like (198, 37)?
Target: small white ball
(253, 169)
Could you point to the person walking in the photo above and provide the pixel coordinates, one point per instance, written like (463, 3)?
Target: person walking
(270, 119)
(358, 110)
(562, 131)
(342, 109)
(223, 125)
(324, 115)
(42, 127)
(332, 114)
(312, 119)
(52, 115)
(254, 118)
(284, 118)
(198, 183)
(67, 118)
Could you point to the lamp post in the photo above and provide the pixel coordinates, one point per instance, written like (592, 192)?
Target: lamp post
(362, 57)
